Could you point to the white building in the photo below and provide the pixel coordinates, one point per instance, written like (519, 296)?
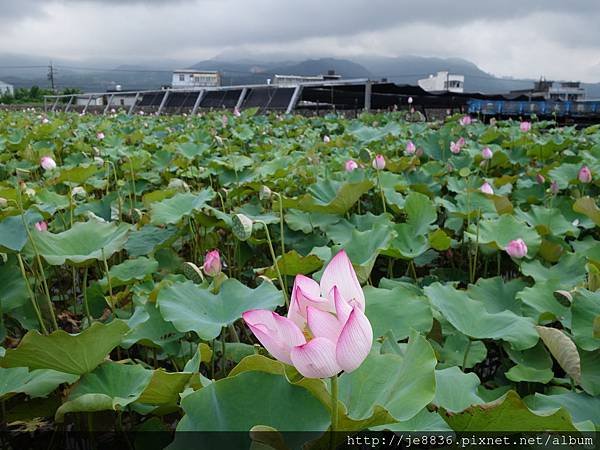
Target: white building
(555, 90)
(189, 78)
(6, 89)
(443, 82)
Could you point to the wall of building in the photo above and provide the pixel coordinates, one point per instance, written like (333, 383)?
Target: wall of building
(6, 89)
(195, 79)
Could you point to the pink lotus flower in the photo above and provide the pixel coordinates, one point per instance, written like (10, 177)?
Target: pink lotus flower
(47, 163)
(224, 120)
(236, 112)
(410, 100)
(45, 120)
(350, 165)
(212, 263)
(554, 187)
(517, 248)
(585, 175)
(41, 226)
(487, 153)
(379, 162)
(411, 148)
(100, 135)
(465, 120)
(540, 178)
(486, 188)
(455, 147)
(326, 139)
(525, 126)
(333, 312)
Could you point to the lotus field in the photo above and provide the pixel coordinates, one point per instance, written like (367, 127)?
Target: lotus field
(238, 272)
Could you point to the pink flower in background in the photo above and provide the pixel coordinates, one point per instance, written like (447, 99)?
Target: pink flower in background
(487, 153)
(41, 226)
(454, 147)
(540, 178)
(45, 120)
(379, 162)
(341, 335)
(47, 163)
(554, 187)
(236, 112)
(525, 126)
(465, 120)
(326, 139)
(410, 100)
(585, 175)
(517, 248)
(350, 165)
(411, 148)
(100, 135)
(212, 263)
(224, 120)
(486, 188)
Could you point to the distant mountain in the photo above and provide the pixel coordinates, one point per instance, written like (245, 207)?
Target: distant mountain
(246, 68)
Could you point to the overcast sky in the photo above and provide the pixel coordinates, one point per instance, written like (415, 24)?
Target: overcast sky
(521, 38)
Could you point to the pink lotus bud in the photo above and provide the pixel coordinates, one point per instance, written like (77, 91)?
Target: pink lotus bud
(554, 187)
(224, 120)
(339, 334)
(517, 248)
(525, 126)
(142, 113)
(379, 162)
(410, 148)
(465, 120)
(410, 100)
(47, 163)
(540, 178)
(350, 165)
(455, 147)
(41, 226)
(212, 263)
(412, 110)
(236, 112)
(326, 139)
(461, 141)
(100, 135)
(487, 153)
(45, 120)
(419, 152)
(486, 188)
(585, 175)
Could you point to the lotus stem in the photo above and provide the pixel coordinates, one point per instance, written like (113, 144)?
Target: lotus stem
(223, 360)
(334, 409)
(285, 296)
(282, 236)
(474, 268)
(381, 192)
(36, 308)
(464, 363)
(85, 297)
(110, 291)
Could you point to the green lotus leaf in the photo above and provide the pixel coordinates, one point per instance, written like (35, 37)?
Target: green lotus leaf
(420, 212)
(292, 264)
(109, 386)
(585, 310)
(84, 243)
(471, 318)
(192, 308)
(391, 385)
(454, 350)
(532, 365)
(582, 407)
(497, 295)
(150, 329)
(69, 353)
(13, 234)
(509, 413)
(330, 197)
(172, 210)
(37, 383)
(129, 271)
(14, 291)
(548, 221)
(455, 391)
(398, 310)
(145, 240)
(590, 371)
(503, 230)
(164, 388)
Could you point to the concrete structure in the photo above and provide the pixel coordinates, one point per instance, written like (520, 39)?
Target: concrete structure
(295, 80)
(555, 91)
(443, 82)
(190, 78)
(6, 89)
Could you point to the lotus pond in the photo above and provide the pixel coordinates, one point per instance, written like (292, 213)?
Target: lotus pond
(438, 276)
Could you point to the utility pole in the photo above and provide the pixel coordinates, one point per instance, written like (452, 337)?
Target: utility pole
(51, 76)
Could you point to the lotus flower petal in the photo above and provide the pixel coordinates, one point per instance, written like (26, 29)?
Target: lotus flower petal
(339, 272)
(316, 359)
(354, 343)
(305, 292)
(277, 334)
(323, 324)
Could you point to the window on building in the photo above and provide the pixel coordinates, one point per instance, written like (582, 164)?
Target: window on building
(181, 77)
